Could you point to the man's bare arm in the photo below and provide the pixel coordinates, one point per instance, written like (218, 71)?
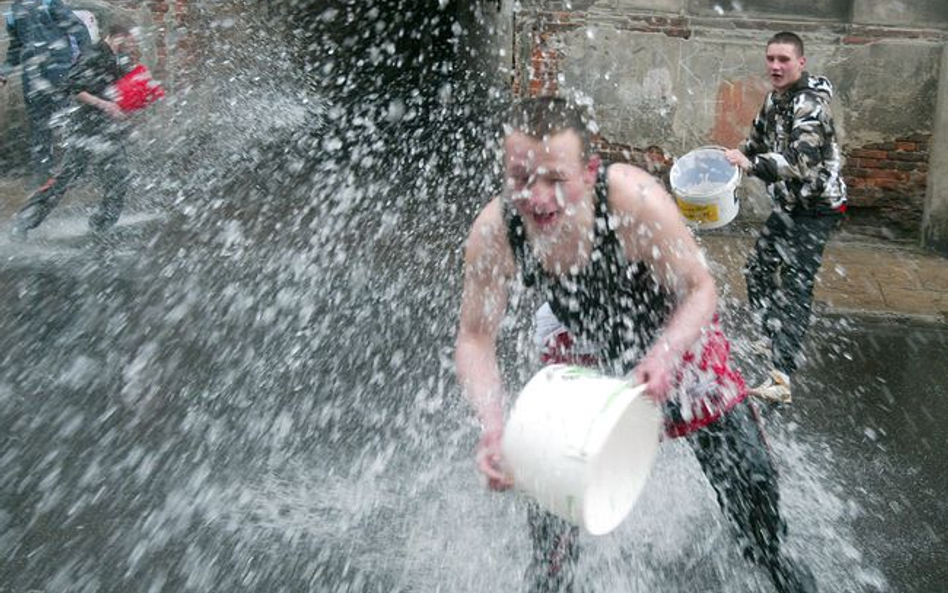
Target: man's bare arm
(654, 232)
(109, 107)
(482, 308)
(488, 264)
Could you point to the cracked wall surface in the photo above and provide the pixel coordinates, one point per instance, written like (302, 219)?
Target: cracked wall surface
(686, 73)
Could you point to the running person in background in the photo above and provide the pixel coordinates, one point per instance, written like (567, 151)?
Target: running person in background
(46, 38)
(95, 136)
(792, 147)
(608, 251)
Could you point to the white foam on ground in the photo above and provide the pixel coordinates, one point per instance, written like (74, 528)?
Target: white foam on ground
(439, 529)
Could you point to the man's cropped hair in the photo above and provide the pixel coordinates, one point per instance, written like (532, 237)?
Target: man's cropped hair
(119, 28)
(788, 38)
(542, 117)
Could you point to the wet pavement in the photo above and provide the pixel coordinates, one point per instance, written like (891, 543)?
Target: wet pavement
(178, 422)
(878, 411)
(251, 388)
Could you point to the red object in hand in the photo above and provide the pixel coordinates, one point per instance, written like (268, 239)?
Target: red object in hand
(137, 89)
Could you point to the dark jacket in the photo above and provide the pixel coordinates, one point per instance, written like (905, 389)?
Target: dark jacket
(44, 29)
(95, 72)
(793, 148)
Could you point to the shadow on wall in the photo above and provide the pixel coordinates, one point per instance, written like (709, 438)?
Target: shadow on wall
(14, 128)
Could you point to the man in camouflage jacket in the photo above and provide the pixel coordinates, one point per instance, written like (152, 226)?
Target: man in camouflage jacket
(792, 147)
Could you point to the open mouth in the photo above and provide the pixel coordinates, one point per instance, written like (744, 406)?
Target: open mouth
(543, 218)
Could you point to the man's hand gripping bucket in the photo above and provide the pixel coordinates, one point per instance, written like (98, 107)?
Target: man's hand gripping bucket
(582, 445)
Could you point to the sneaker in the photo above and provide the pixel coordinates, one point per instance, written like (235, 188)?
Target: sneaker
(19, 233)
(761, 347)
(776, 389)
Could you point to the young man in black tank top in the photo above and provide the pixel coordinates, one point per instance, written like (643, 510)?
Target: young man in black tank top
(620, 268)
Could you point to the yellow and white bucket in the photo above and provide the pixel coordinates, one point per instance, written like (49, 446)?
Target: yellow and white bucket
(582, 445)
(704, 185)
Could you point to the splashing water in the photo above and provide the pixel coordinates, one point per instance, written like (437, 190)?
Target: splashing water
(254, 390)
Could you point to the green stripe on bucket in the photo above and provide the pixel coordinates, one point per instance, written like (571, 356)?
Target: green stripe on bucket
(612, 397)
(575, 372)
(605, 406)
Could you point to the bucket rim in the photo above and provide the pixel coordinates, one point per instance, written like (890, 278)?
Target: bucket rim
(647, 415)
(730, 185)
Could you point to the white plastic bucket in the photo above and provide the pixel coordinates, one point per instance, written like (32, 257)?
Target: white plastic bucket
(582, 445)
(704, 185)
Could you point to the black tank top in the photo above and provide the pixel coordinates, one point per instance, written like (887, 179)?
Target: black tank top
(613, 302)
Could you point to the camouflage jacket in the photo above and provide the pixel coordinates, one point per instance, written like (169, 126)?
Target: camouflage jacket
(793, 148)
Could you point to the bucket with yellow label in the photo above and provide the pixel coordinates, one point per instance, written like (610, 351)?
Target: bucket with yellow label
(704, 185)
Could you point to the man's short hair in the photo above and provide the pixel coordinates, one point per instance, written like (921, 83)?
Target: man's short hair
(788, 38)
(117, 28)
(540, 117)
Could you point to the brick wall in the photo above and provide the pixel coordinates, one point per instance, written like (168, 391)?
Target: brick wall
(540, 76)
(887, 181)
(542, 58)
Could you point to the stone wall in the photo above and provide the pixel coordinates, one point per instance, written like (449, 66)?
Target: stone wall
(935, 220)
(678, 74)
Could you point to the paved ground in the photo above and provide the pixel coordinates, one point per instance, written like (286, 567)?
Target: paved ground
(859, 275)
(13, 195)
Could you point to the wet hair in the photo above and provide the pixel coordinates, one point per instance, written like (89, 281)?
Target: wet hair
(540, 117)
(119, 28)
(788, 38)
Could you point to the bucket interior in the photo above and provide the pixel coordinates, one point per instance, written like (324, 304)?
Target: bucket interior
(618, 471)
(703, 172)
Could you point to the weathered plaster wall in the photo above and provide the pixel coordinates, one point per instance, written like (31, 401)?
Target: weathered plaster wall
(911, 13)
(915, 13)
(680, 74)
(935, 224)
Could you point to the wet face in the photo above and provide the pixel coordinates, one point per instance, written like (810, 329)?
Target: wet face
(547, 179)
(784, 65)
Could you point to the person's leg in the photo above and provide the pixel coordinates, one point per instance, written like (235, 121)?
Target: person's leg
(734, 457)
(801, 262)
(40, 108)
(44, 199)
(113, 174)
(760, 271)
(41, 144)
(552, 566)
